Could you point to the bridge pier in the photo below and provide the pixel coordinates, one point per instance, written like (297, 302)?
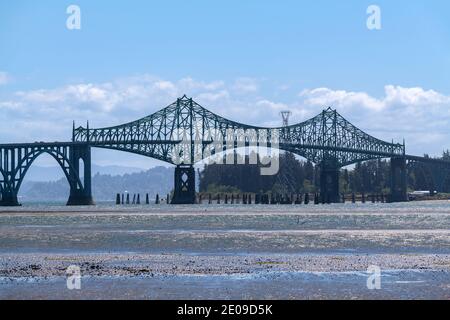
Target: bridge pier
(9, 158)
(439, 175)
(398, 180)
(80, 196)
(184, 186)
(329, 181)
(9, 199)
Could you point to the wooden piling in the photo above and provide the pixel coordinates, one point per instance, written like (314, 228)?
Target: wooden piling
(306, 198)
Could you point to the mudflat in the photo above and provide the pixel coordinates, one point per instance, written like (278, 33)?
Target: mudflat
(227, 252)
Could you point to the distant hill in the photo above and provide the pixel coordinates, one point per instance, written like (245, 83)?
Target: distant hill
(104, 186)
(53, 173)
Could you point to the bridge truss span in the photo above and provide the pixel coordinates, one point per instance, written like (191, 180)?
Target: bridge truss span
(184, 133)
(188, 131)
(438, 169)
(330, 136)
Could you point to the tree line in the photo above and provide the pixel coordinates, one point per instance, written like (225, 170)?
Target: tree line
(299, 176)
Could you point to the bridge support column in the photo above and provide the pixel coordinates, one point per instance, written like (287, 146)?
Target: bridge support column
(398, 180)
(329, 182)
(9, 157)
(80, 196)
(9, 199)
(184, 191)
(439, 175)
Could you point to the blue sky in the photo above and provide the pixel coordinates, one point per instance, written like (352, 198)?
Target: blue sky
(242, 59)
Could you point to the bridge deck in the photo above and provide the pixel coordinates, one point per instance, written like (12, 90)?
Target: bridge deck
(429, 160)
(105, 143)
(41, 144)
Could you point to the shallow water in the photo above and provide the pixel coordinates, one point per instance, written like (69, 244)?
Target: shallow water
(352, 230)
(396, 284)
(409, 227)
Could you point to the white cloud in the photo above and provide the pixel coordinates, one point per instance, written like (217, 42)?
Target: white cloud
(415, 97)
(10, 105)
(394, 96)
(340, 99)
(164, 86)
(420, 115)
(266, 104)
(189, 84)
(4, 78)
(104, 104)
(246, 85)
(213, 96)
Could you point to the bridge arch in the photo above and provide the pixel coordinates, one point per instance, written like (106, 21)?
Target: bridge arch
(62, 159)
(20, 157)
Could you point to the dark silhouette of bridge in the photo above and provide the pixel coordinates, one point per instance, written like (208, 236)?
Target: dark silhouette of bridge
(184, 133)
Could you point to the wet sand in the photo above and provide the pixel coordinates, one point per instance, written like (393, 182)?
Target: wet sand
(227, 252)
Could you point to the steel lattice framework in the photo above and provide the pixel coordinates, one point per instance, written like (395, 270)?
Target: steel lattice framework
(19, 158)
(185, 132)
(329, 136)
(438, 170)
(16, 159)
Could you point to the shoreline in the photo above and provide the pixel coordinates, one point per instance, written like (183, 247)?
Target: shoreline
(97, 264)
(227, 252)
(168, 276)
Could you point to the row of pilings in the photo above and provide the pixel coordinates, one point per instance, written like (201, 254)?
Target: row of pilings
(298, 198)
(249, 198)
(136, 199)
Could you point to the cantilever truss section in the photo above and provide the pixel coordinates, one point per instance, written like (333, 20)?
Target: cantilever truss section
(184, 133)
(330, 137)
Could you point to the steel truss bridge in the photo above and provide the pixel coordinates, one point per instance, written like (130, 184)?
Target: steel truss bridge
(185, 133)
